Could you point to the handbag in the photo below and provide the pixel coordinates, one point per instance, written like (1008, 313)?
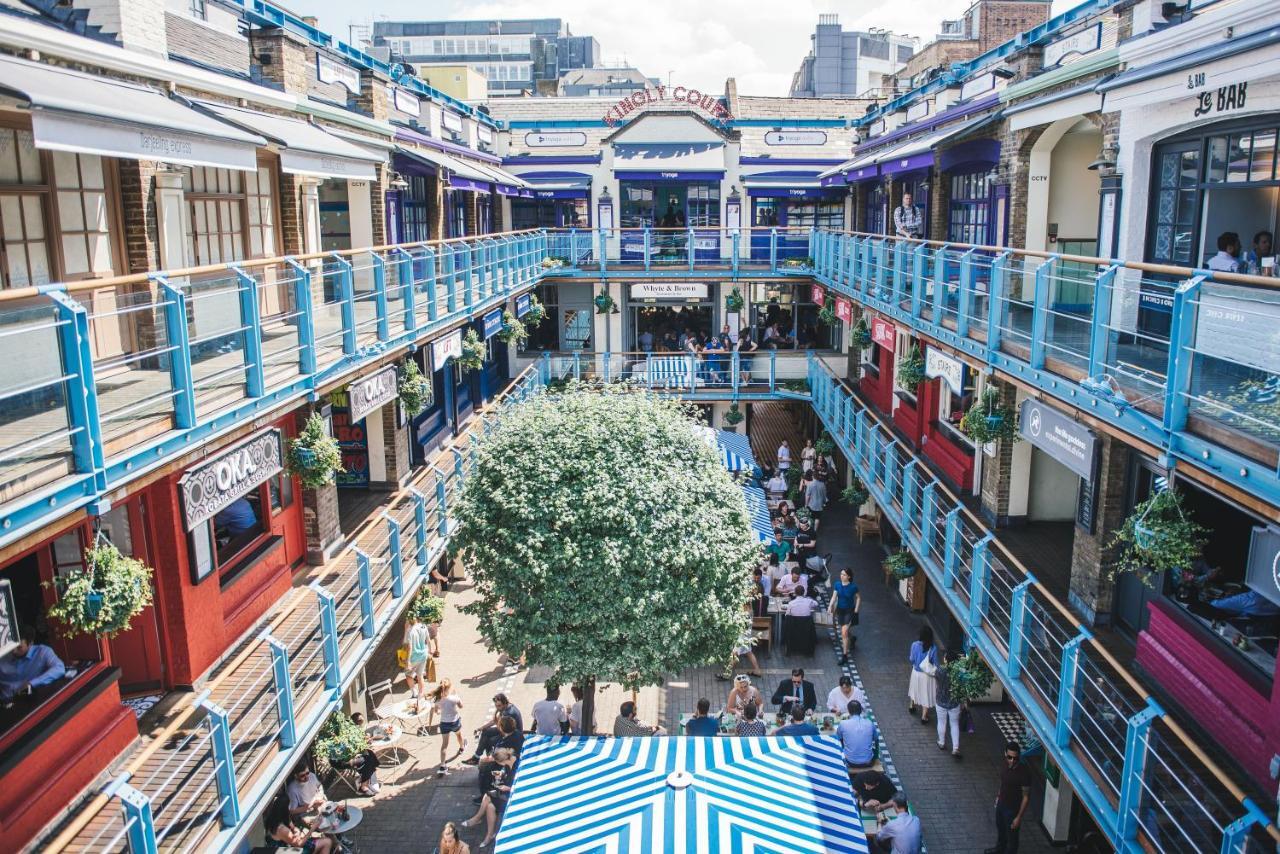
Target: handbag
(966, 720)
(402, 658)
(431, 669)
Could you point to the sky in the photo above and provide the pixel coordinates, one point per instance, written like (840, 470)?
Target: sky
(693, 42)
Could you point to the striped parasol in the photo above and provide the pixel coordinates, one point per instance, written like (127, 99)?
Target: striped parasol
(673, 795)
(758, 510)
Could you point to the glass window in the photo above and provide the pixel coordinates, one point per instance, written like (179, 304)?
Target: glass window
(416, 219)
(766, 212)
(222, 542)
(1174, 211)
(704, 205)
(1238, 157)
(217, 203)
(82, 214)
(260, 202)
(24, 247)
(875, 213)
(545, 336)
(970, 208)
(1263, 156)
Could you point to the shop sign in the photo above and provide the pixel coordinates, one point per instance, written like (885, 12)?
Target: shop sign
(844, 310)
(8, 619)
(330, 71)
(522, 305)
(795, 137)
(669, 290)
(405, 102)
(1083, 43)
(448, 347)
(213, 486)
(484, 134)
(883, 333)
(368, 394)
(492, 323)
(636, 101)
(1087, 501)
(875, 128)
(555, 139)
(451, 121)
(951, 371)
(1241, 330)
(978, 85)
(817, 294)
(1222, 100)
(918, 110)
(1062, 438)
(1161, 301)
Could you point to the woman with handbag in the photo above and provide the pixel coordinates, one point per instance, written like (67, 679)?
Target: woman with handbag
(417, 640)
(922, 689)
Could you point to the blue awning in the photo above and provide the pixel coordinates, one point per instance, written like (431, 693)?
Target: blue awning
(688, 794)
(758, 511)
(735, 452)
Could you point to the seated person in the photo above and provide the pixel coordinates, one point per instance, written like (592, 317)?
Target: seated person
(305, 792)
(901, 835)
(627, 723)
(702, 723)
(798, 725)
(858, 739)
(1247, 603)
(874, 790)
(780, 548)
(283, 833)
(790, 583)
(793, 691)
(798, 634)
(28, 665)
(513, 740)
(843, 694)
(776, 485)
(236, 518)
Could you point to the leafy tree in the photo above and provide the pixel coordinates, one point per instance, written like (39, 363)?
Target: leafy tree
(605, 539)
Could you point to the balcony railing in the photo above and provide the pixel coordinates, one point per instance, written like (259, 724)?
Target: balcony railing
(1149, 786)
(199, 783)
(705, 251)
(109, 378)
(718, 375)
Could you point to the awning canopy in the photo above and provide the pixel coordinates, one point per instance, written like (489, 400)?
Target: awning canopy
(735, 451)
(694, 795)
(465, 174)
(72, 111)
(758, 512)
(670, 159)
(305, 149)
(557, 185)
(915, 153)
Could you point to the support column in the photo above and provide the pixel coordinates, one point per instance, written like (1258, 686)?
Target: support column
(388, 447)
(1005, 477)
(320, 516)
(1091, 592)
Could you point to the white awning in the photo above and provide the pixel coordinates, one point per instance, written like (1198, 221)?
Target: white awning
(669, 157)
(73, 111)
(439, 159)
(305, 149)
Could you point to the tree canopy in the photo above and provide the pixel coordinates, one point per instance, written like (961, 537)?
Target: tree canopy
(605, 538)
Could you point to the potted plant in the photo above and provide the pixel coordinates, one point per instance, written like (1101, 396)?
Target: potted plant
(1157, 538)
(801, 386)
(553, 261)
(827, 314)
(734, 416)
(855, 494)
(988, 421)
(825, 446)
(806, 262)
(414, 388)
(860, 335)
(911, 369)
(792, 477)
(473, 352)
(103, 597)
(427, 607)
(537, 311)
(512, 329)
(900, 565)
(604, 302)
(314, 456)
(734, 301)
(971, 679)
(341, 739)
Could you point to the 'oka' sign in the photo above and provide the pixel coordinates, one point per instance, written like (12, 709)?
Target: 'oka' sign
(636, 101)
(366, 395)
(215, 485)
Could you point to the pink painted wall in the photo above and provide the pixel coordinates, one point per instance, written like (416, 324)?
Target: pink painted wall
(1240, 711)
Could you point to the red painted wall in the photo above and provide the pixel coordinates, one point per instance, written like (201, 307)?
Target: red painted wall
(950, 459)
(879, 390)
(1241, 713)
(46, 780)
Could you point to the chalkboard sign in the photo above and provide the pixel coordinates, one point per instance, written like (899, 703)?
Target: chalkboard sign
(1087, 499)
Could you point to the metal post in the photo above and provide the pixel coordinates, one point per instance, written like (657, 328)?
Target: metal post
(648, 250)
(1099, 331)
(994, 288)
(365, 579)
(1040, 308)
(1182, 334)
(689, 249)
(919, 253)
(468, 275)
(305, 322)
(773, 250)
(396, 557)
(965, 300)
(1236, 835)
(1135, 767)
(141, 825)
(380, 295)
(329, 638)
(420, 532)
(1069, 679)
(1018, 627)
(441, 507)
(178, 334)
(450, 273)
(908, 489)
(82, 395)
(951, 548)
(283, 681)
(224, 760)
(928, 505)
(735, 241)
(978, 579)
(347, 292)
(251, 320)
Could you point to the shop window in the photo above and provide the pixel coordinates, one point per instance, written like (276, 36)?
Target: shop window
(576, 325)
(226, 542)
(417, 226)
(532, 213)
(952, 406)
(231, 214)
(545, 336)
(637, 206)
(970, 208)
(875, 215)
(766, 213)
(784, 318)
(704, 206)
(83, 216)
(260, 202)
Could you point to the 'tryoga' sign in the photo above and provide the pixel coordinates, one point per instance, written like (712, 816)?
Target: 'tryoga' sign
(448, 347)
(555, 139)
(884, 333)
(637, 100)
(1062, 438)
(366, 395)
(795, 137)
(817, 294)
(939, 364)
(213, 486)
(844, 310)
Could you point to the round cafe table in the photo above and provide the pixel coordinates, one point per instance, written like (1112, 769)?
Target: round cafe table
(332, 824)
(410, 713)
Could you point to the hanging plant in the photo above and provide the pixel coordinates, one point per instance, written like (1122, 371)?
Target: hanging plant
(341, 739)
(734, 416)
(428, 608)
(825, 446)
(473, 352)
(734, 301)
(104, 596)
(512, 329)
(970, 678)
(827, 314)
(553, 261)
(911, 369)
(855, 494)
(314, 456)
(536, 313)
(798, 262)
(801, 386)
(604, 303)
(900, 565)
(414, 387)
(860, 335)
(1156, 538)
(988, 421)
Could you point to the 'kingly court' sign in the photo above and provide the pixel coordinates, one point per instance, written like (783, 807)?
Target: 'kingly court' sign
(709, 104)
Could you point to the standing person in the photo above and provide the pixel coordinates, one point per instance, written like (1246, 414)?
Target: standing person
(1228, 258)
(745, 347)
(575, 711)
(815, 498)
(646, 341)
(784, 457)
(948, 707)
(846, 602)
(807, 456)
(417, 639)
(549, 715)
(907, 220)
(922, 689)
(901, 834)
(1011, 800)
(449, 705)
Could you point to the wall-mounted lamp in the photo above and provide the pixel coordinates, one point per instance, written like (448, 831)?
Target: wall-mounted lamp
(1106, 158)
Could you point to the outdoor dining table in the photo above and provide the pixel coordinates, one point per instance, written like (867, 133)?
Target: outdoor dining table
(331, 823)
(409, 712)
(386, 736)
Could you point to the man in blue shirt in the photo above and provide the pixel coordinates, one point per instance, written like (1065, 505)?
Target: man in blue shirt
(901, 835)
(236, 518)
(702, 723)
(798, 725)
(858, 738)
(28, 665)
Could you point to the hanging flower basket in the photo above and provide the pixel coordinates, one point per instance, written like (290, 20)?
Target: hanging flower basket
(553, 261)
(604, 303)
(414, 387)
(855, 494)
(827, 314)
(970, 677)
(428, 608)
(314, 456)
(512, 329)
(734, 301)
(341, 739)
(1157, 538)
(988, 421)
(734, 416)
(860, 335)
(103, 597)
(900, 565)
(536, 313)
(911, 370)
(473, 352)
(825, 446)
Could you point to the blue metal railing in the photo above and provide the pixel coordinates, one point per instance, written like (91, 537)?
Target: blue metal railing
(1131, 765)
(699, 251)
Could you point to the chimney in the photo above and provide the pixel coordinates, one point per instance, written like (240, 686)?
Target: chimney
(136, 24)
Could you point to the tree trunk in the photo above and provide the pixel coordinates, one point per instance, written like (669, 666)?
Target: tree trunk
(589, 707)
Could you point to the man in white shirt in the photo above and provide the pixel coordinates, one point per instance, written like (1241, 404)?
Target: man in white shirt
(776, 486)
(1228, 258)
(843, 694)
(305, 792)
(784, 456)
(549, 715)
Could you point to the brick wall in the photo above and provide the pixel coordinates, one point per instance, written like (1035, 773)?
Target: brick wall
(939, 54)
(190, 39)
(279, 60)
(141, 228)
(374, 99)
(136, 24)
(472, 214)
(1091, 592)
(395, 444)
(1001, 21)
(997, 471)
(939, 202)
(320, 520)
(292, 225)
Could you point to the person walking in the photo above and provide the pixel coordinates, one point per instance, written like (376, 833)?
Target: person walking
(418, 640)
(807, 456)
(947, 707)
(922, 689)
(815, 498)
(784, 457)
(449, 705)
(845, 604)
(1011, 800)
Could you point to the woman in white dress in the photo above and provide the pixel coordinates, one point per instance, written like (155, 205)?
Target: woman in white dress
(923, 688)
(808, 455)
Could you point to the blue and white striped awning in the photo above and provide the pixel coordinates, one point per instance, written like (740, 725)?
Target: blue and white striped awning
(735, 452)
(758, 510)
(681, 795)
